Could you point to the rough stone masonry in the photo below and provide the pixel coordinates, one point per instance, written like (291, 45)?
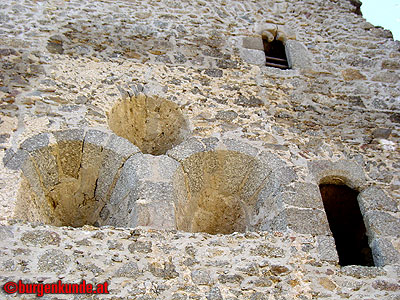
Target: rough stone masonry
(146, 144)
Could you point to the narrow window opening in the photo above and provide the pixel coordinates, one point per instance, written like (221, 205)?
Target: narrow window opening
(275, 54)
(347, 225)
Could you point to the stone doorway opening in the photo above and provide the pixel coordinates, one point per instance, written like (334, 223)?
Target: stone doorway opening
(347, 225)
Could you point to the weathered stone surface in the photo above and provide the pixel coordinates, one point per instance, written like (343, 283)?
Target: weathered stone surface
(139, 246)
(305, 195)
(36, 142)
(338, 103)
(307, 221)
(186, 149)
(214, 294)
(352, 74)
(15, 160)
(362, 272)
(41, 238)
(252, 56)
(201, 277)
(129, 270)
(327, 248)
(166, 270)
(382, 223)
(53, 260)
(374, 198)
(251, 42)
(339, 172)
(298, 55)
(383, 252)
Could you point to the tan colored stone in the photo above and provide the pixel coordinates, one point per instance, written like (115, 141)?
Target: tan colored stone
(352, 74)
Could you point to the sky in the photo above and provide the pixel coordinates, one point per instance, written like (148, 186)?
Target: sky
(385, 13)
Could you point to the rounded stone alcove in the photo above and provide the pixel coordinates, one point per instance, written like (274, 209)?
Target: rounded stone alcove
(227, 189)
(153, 124)
(68, 176)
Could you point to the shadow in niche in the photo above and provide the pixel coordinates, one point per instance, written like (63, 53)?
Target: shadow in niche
(347, 225)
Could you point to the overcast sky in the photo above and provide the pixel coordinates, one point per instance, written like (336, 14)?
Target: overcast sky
(385, 13)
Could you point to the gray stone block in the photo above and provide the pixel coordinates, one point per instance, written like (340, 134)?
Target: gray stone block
(120, 146)
(305, 195)
(380, 224)
(374, 198)
(285, 175)
(31, 174)
(270, 211)
(327, 248)
(362, 271)
(69, 135)
(252, 56)
(186, 149)
(307, 221)
(298, 56)
(153, 206)
(270, 161)
(14, 160)
(96, 137)
(239, 146)
(116, 152)
(257, 177)
(136, 167)
(339, 172)
(211, 143)
(166, 167)
(252, 42)
(384, 253)
(36, 142)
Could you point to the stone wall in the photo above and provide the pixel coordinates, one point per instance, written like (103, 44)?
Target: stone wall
(162, 114)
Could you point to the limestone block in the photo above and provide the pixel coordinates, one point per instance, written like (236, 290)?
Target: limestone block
(186, 149)
(307, 221)
(383, 252)
(374, 198)
(252, 56)
(69, 144)
(94, 142)
(327, 248)
(46, 163)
